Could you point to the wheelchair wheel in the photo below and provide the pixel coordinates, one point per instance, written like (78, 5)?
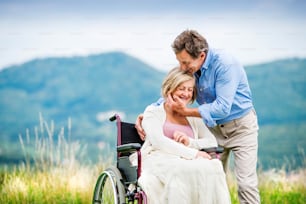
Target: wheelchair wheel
(109, 188)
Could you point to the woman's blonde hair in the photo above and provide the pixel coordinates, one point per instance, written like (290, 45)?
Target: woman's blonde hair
(174, 79)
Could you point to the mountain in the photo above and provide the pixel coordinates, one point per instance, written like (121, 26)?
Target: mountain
(279, 93)
(87, 90)
(80, 88)
(279, 89)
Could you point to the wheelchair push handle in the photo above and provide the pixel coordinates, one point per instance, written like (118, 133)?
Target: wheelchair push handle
(114, 117)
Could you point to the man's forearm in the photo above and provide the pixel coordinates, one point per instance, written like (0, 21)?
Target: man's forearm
(194, 112)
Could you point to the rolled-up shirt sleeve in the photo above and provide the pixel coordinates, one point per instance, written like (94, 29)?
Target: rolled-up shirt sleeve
(204, 111)
(226, 83)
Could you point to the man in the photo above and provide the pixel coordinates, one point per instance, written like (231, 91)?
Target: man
(225, 105)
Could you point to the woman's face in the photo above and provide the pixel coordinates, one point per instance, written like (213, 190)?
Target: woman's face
(184, 91)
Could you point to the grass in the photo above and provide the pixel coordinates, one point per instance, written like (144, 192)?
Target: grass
(52, 172)
(64, 185)
(283, 187)
(56, 186)
(56, 174)
(276, 187)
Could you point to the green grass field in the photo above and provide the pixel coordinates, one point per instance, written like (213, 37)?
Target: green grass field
(75, 184)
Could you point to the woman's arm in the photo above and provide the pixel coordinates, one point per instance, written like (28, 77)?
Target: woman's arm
(153, 125)
(205, 138)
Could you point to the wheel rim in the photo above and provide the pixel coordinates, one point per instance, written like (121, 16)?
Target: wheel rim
(109, 188)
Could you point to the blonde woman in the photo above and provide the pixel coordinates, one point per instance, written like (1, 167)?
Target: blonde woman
(174, 170)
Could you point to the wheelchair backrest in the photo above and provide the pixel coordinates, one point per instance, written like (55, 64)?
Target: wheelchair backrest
(128, 134)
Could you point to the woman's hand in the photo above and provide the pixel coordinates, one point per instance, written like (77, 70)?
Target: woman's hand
(181, 138)
(139, 128)
(203, 155)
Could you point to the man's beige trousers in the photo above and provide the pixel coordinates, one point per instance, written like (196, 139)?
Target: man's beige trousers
(241, 137)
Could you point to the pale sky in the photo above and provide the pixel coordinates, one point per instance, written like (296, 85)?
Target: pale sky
(255, 32)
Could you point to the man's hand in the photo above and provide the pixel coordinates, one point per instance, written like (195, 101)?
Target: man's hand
(176, 105)
(139, 128)
(181, 137)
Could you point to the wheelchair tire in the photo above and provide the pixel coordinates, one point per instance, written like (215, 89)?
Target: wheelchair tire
(109, 188)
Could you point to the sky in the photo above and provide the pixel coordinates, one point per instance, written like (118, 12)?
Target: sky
(253, 31)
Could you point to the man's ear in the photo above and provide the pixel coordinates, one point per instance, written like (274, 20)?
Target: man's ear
(203, 55)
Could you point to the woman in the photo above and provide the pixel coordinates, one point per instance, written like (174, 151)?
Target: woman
(174, 170)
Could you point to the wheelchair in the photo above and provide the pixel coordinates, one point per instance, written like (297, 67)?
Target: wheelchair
(119, 184)
(114, 184)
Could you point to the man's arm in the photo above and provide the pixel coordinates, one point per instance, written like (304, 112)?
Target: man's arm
(139, 128)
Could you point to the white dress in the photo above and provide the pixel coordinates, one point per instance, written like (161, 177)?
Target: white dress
(171, 173)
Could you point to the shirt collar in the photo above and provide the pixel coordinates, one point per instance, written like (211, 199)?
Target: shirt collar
(207, 60)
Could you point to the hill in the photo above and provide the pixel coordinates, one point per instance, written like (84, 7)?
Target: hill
(279, 93)
(88, 89)
(81, 88)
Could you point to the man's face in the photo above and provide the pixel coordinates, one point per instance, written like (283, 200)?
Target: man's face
(189, 64)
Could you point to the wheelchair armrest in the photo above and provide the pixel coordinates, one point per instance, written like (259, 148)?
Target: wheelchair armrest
(214, 152)
(129, 147)
(217, 150)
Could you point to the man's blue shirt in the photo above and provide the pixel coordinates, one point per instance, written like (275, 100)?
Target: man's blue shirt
(223, 92)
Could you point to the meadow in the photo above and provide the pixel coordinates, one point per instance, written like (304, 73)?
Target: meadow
(56, 174)
(75, 183)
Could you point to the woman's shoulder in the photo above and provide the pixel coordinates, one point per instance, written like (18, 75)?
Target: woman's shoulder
(154, 111)
(195, 120)
(154, 107)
